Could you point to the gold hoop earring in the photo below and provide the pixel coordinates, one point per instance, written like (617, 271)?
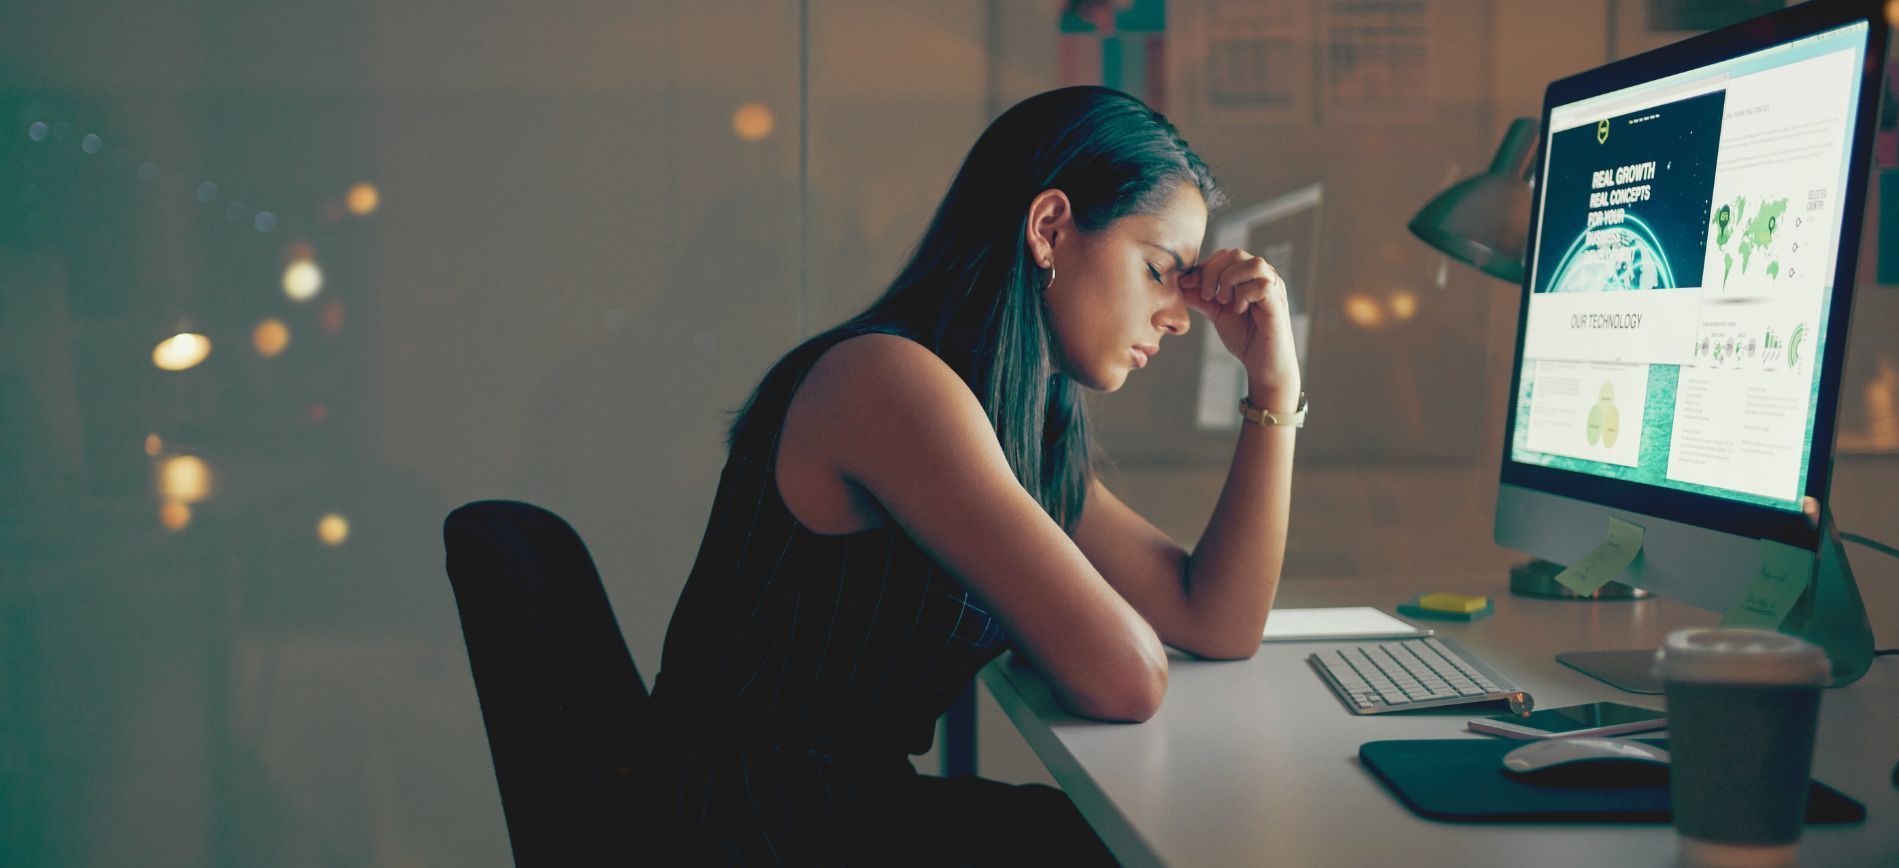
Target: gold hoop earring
(1051, 279)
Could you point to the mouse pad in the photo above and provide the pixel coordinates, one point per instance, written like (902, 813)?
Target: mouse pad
(1463, 780)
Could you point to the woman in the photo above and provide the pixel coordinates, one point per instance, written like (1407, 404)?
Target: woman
(910, 493)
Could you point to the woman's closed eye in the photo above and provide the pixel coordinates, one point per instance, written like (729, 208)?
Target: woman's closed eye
(1155, 273)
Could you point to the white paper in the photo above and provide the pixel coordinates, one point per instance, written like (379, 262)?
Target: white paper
(1350, 622)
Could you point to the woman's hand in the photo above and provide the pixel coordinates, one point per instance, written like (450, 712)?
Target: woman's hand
(1245, 298)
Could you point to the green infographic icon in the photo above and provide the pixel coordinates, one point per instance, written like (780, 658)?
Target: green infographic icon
(1605, 421)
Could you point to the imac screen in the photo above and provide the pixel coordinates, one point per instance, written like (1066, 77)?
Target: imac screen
(1682, 271)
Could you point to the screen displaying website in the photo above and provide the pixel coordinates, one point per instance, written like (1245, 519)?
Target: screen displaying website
(1688, 229)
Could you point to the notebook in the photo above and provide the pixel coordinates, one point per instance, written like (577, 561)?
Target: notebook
(1343, 623)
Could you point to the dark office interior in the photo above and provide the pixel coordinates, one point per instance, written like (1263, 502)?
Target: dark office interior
(283, 284)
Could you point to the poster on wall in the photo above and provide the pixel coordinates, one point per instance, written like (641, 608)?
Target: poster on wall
(1116, 43)
(1309, 63)
(1377, 62)
(1258, 60)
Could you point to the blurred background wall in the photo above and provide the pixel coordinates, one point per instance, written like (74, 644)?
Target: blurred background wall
(444, 251)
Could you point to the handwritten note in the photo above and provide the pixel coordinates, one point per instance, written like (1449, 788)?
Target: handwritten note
(1601, 566)
(1785, 573)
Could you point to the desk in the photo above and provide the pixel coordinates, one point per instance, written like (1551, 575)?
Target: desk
(1256, 762)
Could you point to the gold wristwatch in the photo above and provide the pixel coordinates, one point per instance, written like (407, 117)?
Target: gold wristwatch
(1296, 418)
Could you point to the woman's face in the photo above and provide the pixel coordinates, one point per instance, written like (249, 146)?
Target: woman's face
(1117, 291)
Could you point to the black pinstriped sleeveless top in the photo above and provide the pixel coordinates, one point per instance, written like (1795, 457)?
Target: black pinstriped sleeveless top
(797, 661)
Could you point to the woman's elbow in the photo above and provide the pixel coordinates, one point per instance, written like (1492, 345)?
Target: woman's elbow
(1241, 649)
(1133, 699)
(1239, 644)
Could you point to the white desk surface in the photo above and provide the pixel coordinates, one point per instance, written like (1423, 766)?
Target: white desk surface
(1255, 762)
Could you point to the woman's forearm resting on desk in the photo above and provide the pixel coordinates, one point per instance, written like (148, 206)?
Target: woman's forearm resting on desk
(1234, 571)
(1212, 602)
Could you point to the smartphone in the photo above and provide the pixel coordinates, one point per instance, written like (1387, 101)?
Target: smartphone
(1595, 718)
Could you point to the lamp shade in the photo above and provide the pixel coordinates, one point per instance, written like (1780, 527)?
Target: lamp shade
(1484, 220)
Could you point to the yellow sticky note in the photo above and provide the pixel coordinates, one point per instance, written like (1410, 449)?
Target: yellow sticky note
(1784, 575)
(1446, 602)
(1601, 566)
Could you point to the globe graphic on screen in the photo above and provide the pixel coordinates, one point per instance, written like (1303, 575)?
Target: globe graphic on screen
(1613, 259)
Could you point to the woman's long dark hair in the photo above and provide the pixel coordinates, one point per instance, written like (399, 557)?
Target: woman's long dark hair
(973, 295)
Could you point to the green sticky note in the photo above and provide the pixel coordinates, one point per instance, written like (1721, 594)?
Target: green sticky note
(1601, 566)
(1784, 575)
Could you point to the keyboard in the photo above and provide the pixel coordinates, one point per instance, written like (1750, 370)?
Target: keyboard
(1413, 673)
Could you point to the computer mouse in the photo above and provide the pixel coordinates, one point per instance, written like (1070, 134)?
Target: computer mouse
(1588, 762)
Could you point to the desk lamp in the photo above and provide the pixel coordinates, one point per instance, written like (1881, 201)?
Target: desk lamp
(1483, 221)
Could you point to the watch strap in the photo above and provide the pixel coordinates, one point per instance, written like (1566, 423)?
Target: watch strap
(1294, 419)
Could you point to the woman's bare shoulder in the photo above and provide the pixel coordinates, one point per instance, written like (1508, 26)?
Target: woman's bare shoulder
(869, 403)
(886, 400)
(869, 371)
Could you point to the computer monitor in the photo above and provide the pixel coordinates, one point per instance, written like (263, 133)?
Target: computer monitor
(1693, 241)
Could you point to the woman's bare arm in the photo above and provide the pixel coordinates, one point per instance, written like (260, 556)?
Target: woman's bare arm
(901, 424)
(1214, 602)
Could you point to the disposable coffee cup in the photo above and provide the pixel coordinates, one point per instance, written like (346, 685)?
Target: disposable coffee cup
(1742, 709)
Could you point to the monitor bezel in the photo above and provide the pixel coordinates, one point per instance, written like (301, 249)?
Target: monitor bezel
(1749, 36)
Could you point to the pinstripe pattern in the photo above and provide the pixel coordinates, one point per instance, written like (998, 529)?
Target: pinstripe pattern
(815, 661)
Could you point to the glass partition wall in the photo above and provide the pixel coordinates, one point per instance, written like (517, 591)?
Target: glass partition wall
(282, 284)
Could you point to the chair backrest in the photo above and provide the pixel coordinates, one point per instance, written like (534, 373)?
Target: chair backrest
(560, 696)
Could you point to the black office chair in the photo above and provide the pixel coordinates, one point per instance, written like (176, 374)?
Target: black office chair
(561, 698)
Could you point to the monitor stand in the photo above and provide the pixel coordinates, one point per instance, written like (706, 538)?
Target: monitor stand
(1830, 614)
(1632, 671)
(1537, 578)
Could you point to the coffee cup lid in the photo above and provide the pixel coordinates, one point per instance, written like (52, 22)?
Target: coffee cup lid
(1741, 656)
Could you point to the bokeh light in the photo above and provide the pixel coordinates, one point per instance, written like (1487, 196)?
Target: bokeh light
(184, 478)
(270, 337)
(330, 318)
(174, 515)
(1404, 304)
(153, 444)
(181, 351)
(752, 121)
(1363, 311)
(363, 199)
(333, 529)
(302, 280)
